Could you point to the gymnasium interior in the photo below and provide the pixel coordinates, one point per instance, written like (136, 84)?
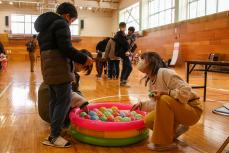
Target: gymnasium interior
(191, 36)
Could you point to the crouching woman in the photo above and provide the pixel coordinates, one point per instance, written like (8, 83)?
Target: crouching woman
(176, 106)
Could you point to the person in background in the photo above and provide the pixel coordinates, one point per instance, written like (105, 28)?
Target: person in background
(101, 63)
(113, 61)
(131, 37)
(57, 64)
(173, 107)
(122, 46)
(2, 49)
(3, 60)
(31, 47)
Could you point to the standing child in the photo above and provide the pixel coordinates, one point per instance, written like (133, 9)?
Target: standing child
(131, 37)
(57, 65)
(177, 106)
(121, 47)
(113, 61)
(31, 46)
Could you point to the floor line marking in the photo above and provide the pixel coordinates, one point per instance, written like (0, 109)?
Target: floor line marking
(219, 101)
(5, 89)
(114, 96)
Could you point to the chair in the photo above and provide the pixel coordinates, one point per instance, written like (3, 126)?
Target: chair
(223, 146)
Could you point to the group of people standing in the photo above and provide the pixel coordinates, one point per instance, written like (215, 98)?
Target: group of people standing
(112, 50)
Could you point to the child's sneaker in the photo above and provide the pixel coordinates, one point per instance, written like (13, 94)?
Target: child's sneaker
(109, 78)
(58, 142)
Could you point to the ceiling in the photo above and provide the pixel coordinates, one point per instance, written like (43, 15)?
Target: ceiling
(47, 5)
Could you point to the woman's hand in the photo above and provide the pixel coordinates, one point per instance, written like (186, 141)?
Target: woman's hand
(137, 106)
(85, 109)
(158, 94)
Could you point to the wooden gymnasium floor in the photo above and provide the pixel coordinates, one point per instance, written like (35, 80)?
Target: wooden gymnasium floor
(22, 130)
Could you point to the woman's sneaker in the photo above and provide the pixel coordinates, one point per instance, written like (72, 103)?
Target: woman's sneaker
(157, 147)
(181, 129)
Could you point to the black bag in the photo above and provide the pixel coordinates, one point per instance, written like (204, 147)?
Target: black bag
(101, 46)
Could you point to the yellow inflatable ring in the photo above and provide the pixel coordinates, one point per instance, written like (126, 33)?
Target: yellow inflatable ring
(111, 134)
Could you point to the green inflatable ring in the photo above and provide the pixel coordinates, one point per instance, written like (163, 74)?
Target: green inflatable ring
(107, 142)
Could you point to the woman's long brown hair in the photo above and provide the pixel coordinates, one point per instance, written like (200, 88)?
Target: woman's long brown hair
(154, 62)
(88, 68)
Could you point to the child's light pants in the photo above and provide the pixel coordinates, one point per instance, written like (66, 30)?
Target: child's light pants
(169, 113)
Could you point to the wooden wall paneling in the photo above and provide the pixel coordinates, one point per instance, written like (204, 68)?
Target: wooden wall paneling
(198, 38)
(19, 52)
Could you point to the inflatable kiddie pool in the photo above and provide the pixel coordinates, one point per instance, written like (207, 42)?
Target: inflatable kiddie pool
(107, 133)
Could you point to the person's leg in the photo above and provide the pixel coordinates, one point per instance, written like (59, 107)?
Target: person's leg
(52, 101)
(99, 67)
(60, 108)
(149, 120)
(110, 68)
(168, 115)
(116, 67)
(105, 67)
(123, 69)
(128, 69)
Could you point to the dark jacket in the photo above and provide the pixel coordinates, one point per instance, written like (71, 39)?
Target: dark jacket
(2, 50)
(122, 44)
(57, 52)
(101, 47)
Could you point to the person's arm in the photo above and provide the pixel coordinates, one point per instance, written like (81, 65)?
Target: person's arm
(178, 88)
(64, 44)
(148, 105)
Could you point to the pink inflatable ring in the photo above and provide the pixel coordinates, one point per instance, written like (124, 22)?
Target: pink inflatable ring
(98, 125)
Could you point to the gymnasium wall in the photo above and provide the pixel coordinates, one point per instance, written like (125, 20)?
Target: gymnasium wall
(125, 3)
(96, 24)
(198, 38)
(17, 49)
